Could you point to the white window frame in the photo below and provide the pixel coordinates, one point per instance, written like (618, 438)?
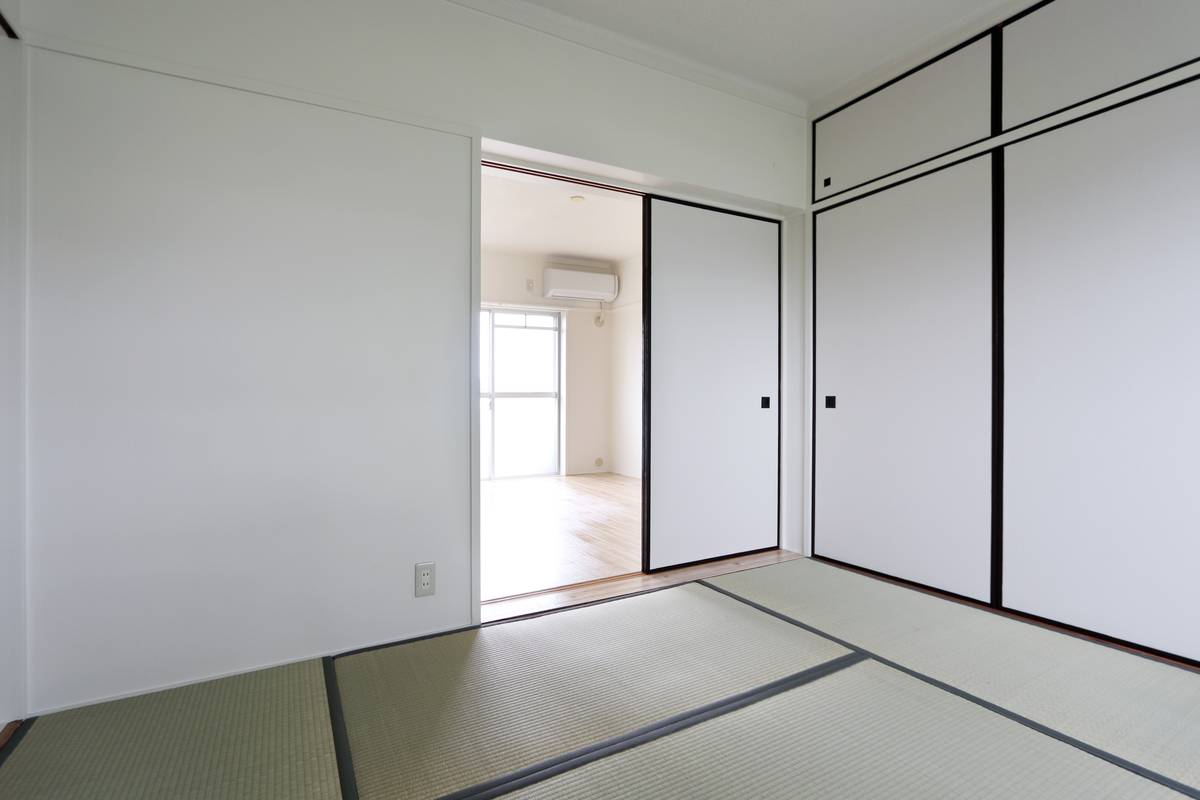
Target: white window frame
(488, 470)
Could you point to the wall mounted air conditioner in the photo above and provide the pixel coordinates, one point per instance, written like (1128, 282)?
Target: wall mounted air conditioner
(576, 284)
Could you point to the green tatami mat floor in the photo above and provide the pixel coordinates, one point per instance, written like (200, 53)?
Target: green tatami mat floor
(1135, 708)
(868, 732)
(680, 693)
(264, 734)
(446, 713)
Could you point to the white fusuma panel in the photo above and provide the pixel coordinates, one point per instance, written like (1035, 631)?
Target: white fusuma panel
(938, 108)
(1102, 435)
(1069, 51)
(903, 351)
(714, 357)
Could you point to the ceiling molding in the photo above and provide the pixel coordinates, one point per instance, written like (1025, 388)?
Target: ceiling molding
(561, 26)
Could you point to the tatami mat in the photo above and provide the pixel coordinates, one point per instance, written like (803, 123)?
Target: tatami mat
(263, 735)
(866, 732)
(441, 714)
(1135, 708)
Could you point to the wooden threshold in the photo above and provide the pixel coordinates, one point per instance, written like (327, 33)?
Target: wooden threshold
(605, 588)
(8, 731)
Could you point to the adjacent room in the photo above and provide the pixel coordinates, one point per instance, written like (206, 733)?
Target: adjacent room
(560, 382)
(469, 399)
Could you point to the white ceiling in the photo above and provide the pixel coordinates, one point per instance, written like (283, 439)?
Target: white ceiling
(535, 216)
(785, 53)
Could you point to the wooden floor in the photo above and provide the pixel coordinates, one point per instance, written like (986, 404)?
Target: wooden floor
(543, 533)
(627, 584)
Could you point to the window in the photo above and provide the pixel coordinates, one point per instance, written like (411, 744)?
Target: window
(519, 397)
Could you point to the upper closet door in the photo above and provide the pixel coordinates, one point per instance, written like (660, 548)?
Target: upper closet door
(1071, 51)
(1102, 431)
(903, 381)
(713, 378)
(940, 107)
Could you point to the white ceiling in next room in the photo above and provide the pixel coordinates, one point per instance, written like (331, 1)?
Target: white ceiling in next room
(531, 215)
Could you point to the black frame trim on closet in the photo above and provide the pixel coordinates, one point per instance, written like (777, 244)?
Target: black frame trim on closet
(997, 102)
(7, 28)
(646, 289)
(996, 552)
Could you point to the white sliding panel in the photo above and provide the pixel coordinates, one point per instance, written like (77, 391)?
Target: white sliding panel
(940, 107)
(903, 342)
(250, 379)
(714, 354)
(1102, 389)
(1070, 51)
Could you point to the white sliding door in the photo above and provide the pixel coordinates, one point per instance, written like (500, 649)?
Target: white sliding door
(903, 351)
(1102, 389)
(713, 383)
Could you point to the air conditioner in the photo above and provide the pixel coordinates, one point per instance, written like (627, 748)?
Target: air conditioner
(577, 284)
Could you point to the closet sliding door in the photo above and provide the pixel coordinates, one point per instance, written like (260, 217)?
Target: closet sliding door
(1102, 432)
(902, 450)
(711, 472)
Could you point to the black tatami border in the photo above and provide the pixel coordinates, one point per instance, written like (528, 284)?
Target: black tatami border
(567, 761)
(1115, 760)
(341, 740)
(337, 718)
(656, 730)
(574, 759)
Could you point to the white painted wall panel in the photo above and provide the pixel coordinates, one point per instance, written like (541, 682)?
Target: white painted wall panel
(1071, 50)
(1102, 516)
(12, 380)
(714, 354)
(903, 340)
(943, 106)
(250, 379)
(444, 60)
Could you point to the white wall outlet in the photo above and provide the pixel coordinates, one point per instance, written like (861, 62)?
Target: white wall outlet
(425, 579)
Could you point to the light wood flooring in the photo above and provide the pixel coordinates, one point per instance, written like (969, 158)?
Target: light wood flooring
(543, 533)
(627, 584)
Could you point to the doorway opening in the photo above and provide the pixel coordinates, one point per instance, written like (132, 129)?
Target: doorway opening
(560, 403)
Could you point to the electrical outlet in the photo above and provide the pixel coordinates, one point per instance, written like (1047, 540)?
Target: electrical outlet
(426, 579)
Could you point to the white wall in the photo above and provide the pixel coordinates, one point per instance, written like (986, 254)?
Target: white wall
(586, 382)
(12, 381)
(424, 58)
(435, 58)
(625, 325)
(226, 387)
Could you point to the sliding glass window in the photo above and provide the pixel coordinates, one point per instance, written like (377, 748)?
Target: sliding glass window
(519, 393)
